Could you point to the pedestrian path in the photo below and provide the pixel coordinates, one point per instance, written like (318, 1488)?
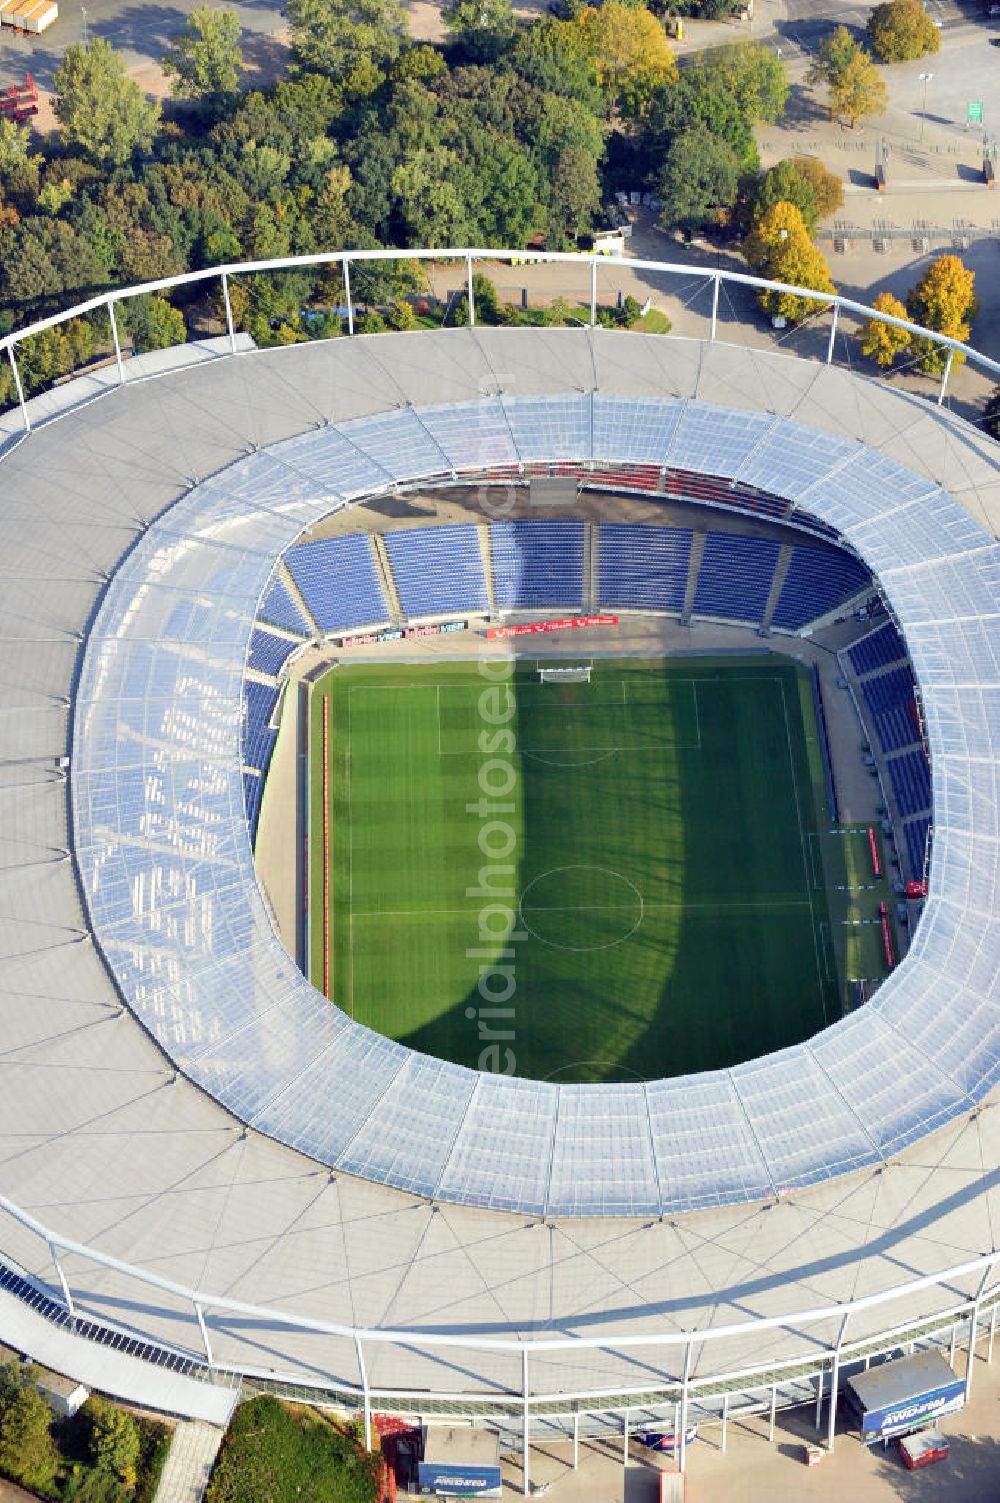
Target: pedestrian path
(189, 1464)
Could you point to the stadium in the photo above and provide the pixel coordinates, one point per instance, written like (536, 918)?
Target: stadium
(212, 1173)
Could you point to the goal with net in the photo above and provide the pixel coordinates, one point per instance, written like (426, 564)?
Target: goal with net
(575, 675)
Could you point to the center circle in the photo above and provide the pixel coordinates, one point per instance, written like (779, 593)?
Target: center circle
(581, 908)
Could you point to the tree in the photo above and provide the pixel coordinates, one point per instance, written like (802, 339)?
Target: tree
(943, 300)
(784, 183)
(755, 78)
(338, 37)
(858, 91)
(699, 98)
(901, 29)
(27, 1450)
(206, 61)
(152, 322)
(483, 28)
(828, 190)
(834, 55)
(99, 107)
(115, 1442)
(630, 52)
(780, 249)
(575, 194)
(882, 342)
(556, 56)
(698, 177)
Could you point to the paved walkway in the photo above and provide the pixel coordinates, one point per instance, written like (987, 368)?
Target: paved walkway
(189, 1464)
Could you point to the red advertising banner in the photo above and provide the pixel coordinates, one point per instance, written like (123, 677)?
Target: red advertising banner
(533, 628)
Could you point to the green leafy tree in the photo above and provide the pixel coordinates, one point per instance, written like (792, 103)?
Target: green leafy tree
(754, 76)
(557, 57)
(115, 1442)
(27, 1450)
(943, 300)
(883, 342)
(575, 194)
(784, 183)
(152, 322)
(834, 55)
(206, 60)
(100, 109)
(698, 177)
(483, 28)
(339, 37)
(901, 29)
(699, 98)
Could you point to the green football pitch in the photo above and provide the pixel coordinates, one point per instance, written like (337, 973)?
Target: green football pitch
(617, 879)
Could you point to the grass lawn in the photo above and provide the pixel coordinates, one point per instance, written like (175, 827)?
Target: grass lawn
(659, 869)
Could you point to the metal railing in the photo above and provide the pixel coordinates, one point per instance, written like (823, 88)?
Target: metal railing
(832, 303)
(680, 1386)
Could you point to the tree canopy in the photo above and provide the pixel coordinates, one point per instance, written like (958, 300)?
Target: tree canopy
(698, 178)
(901, 29)
(753, 75)
(351, 40)
(101, 110)
(943, 300)
(630, 54)
(205, 60)
(883, 342)
(780, 249)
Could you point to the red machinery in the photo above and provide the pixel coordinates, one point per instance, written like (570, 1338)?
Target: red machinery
(19, 103)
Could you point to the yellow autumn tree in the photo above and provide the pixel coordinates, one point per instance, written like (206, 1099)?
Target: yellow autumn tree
(630, 53)
(859, 91)
(882, 342)
(943, 300)
(780, 249)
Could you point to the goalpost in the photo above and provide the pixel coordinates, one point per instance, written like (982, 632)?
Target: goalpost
(576, 675)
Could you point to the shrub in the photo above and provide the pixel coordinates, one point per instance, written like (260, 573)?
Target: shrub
(273, 1453)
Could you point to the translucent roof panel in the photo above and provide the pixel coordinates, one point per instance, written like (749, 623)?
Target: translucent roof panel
(164, 855)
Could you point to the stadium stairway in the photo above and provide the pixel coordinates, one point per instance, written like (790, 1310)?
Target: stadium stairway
(383, 567)
(285, 575)
(694, 566)
(486, 556)
(591, 565)
(777, 584)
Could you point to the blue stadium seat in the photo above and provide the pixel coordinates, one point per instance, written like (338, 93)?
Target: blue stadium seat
(268, 651)
(339, 582)
(888, 696)
(915, 831)
(438, 570)
(911, 782)
(257, 738)
(878, 650)
(818, 581)
(280, 609)
(735, 576)
(643, 568)
(537, 564)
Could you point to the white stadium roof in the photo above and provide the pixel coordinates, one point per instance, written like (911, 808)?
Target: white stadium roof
(375, 1188)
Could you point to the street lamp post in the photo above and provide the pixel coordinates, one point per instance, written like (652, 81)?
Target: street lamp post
(925, 79)
(83, 12)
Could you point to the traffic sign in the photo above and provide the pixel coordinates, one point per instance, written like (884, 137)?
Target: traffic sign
(975, 112)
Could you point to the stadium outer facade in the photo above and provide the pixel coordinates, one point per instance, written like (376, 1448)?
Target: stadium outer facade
(722, 1243)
